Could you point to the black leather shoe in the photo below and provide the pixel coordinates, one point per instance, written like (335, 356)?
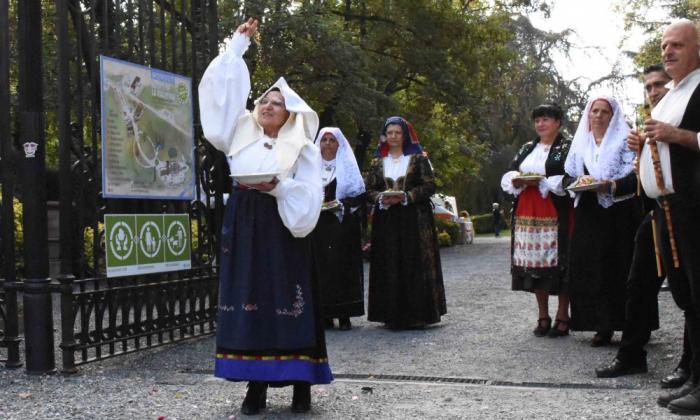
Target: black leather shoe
(543, 326)
(344, 324)
(601, 338)
(556, 331)
(620, 368)
(676, 378)
(689, 404)
(255, 399)
(667, 397)
(301, 398)
(328, 323)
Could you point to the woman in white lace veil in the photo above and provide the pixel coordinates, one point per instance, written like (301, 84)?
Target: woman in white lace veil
(344, 166)
(606, 158)
(337, 238)
(600, 168)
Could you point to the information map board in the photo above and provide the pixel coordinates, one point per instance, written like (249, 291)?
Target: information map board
(147, 132)
(146, 243)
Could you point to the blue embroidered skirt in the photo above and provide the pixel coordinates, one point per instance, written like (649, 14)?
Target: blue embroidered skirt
(269, 323)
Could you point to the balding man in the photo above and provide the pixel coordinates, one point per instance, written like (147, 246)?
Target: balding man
(643, 284)
(674, 126)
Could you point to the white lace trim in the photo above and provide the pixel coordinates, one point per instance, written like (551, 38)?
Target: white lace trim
(610, 161)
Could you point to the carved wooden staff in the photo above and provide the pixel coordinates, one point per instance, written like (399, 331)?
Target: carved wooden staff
(658, 174)
(639, 149)
(657, 251)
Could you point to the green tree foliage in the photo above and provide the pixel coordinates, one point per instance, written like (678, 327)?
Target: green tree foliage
(466, 72)
(528, 79)
(636, 17)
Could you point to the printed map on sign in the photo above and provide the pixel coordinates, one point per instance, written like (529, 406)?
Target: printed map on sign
(147, 132)
(146, 243)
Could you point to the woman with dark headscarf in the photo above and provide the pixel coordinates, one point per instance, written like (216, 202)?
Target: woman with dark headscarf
(269, 329)
(405, 277)
(539, 238)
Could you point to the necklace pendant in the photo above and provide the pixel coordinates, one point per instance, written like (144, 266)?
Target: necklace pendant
(268, 145)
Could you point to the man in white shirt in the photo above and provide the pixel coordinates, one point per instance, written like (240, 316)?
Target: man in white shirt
(643, 283)
(674, 126)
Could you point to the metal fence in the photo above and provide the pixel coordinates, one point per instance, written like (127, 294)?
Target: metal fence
(100, 317)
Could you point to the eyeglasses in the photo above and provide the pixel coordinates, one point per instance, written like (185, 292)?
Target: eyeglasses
(265, 101)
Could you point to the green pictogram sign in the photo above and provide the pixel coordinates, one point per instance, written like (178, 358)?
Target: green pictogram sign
(146, 243)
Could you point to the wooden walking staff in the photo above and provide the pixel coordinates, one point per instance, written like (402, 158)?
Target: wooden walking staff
(645, 114)
(657, 251)
(658, 174)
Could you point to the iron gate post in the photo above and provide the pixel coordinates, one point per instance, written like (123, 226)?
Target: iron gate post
(7, 237)
(38, 314)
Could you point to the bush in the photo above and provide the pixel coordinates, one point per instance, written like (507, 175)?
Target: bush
(449, 227)
(483, 223)
(19, 234)
(444, 239)
(88, 248)
(194, 235)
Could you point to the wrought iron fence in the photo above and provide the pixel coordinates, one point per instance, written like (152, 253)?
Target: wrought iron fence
(99, 323)
(103, 317)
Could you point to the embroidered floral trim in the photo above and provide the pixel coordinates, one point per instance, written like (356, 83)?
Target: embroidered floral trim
(273, 358)
(535, 246)
(227, 308)
(249, 306)
(529, 221)
(297, 306)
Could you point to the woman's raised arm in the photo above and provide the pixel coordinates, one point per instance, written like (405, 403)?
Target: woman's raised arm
(224, 89)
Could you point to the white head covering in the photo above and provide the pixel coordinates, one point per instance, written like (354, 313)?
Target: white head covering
(614, 159)
(294, 104)
(350, 183)
(296, 132)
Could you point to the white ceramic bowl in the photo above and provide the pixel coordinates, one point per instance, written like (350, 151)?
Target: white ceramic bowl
(255, 178)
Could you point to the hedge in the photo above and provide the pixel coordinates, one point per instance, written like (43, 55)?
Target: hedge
(483, 223)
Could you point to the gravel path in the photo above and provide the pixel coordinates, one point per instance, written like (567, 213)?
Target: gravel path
(481, 362)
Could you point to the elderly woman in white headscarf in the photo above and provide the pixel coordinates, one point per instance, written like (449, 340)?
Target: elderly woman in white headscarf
(601, 179)
(337, 237)
(269, 329)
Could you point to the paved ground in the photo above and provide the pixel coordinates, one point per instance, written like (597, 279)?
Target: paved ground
(481, 362)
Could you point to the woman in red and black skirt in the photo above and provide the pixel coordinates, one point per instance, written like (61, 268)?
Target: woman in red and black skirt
(541, 219)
